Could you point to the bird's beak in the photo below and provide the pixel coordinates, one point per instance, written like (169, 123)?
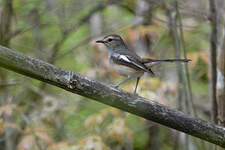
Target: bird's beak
(100, 41)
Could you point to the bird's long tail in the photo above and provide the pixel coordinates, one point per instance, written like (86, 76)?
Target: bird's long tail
(152, 62)
(149, 60)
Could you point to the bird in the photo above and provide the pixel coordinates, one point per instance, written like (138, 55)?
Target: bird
(126, 62)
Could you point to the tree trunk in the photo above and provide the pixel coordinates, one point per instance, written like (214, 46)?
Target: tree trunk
(154, 137)
(217, 67)
(220, 85)
(6, 15)
(144, 12)
(96, 24)
(213, 54)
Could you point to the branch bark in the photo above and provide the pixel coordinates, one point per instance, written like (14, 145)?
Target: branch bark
(100, 92)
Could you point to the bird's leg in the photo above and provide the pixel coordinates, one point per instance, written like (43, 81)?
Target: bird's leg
(124, 81)
(138, 78)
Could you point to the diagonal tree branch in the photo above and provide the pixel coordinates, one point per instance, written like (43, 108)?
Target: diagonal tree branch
(100, 92)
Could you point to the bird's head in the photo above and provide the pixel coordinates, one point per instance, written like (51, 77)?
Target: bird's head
(113, 42)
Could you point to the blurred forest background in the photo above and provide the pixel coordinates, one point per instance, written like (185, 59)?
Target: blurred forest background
(37, 116)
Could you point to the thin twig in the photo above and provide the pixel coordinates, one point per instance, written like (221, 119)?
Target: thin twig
(186, 65)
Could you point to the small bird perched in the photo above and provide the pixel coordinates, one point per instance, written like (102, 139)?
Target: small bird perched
(126, 62)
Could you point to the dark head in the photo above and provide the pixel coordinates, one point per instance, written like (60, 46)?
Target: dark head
(113, 42)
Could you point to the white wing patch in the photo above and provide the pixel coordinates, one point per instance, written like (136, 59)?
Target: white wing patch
(127, 60)
(123, 57)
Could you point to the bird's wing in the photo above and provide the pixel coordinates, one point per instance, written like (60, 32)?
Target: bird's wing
(130, 59)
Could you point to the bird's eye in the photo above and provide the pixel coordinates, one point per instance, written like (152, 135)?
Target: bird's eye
(109, 40)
